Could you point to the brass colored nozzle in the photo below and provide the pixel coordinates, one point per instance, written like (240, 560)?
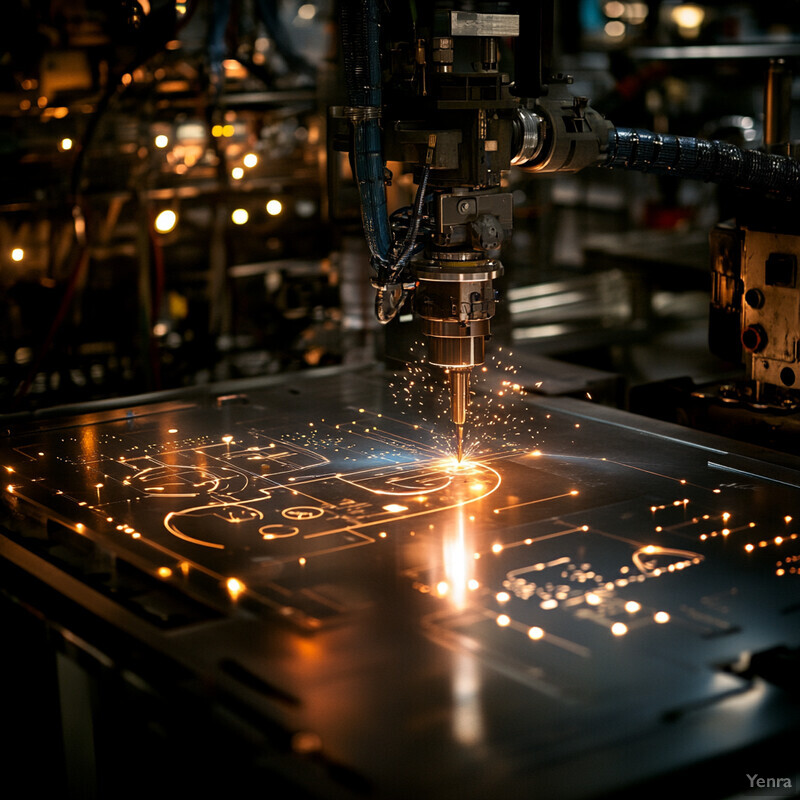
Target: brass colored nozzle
(459, 403)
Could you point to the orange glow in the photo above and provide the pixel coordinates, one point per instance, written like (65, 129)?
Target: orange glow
(80, 527)
(535, 633)
(164, 572)
(632, 606)
(442, 588)
(779, 540)
(661, 617)
(302, 561)
(619, 629)
(497, 548)
(395, 508)
(235, 587)
(166, 221)
(593, 599)
(473, 584)
(787, 519)
(502, 597)
(503, 620)
(749, 548)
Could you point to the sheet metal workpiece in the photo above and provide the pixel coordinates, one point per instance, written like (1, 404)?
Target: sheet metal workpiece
(590, 602)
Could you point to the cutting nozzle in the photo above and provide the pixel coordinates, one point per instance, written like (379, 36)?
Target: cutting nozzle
(459, 403)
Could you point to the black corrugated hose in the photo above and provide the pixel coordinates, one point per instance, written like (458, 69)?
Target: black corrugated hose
(701, 159)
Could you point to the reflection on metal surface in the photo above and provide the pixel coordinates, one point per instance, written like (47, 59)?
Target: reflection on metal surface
(467, 710)
(457, 561)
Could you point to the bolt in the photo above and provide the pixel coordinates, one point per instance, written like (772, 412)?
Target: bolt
(464, 207)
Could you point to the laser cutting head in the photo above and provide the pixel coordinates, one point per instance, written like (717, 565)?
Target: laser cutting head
(456, 302)
(431, 92)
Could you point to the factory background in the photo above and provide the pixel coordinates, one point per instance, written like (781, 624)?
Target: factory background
(174, 214)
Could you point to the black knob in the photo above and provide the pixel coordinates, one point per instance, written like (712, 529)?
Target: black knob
(754, 298)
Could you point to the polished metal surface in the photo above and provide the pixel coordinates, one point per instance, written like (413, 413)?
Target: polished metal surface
(531, 126)
(578, 607)
(464, 23)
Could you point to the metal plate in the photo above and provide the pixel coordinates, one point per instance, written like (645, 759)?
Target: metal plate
(557, 617)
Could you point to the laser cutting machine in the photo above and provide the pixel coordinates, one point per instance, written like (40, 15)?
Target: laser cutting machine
(427, 88)
(281, 581)
(451, 114)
